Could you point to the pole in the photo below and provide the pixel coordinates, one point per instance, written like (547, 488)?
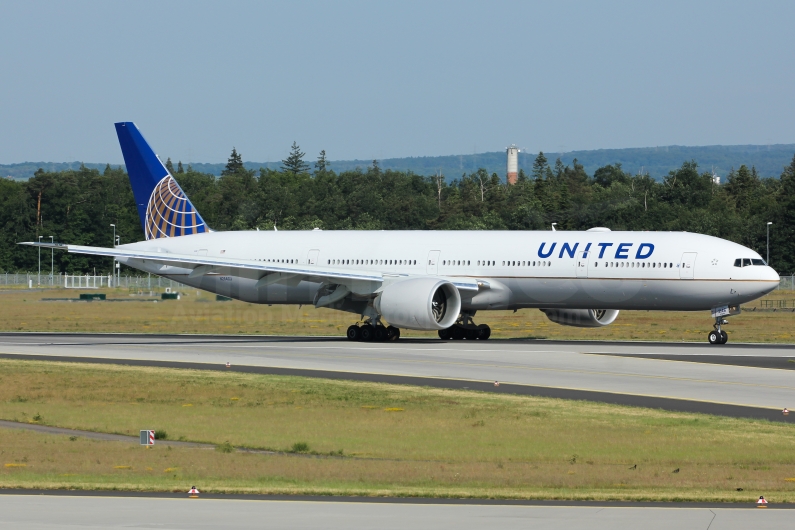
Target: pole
(768, 242)
(113, 264)
(39, 279)
(52, 261)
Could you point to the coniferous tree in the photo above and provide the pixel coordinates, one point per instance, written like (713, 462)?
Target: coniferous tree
(179, 167)
(322, 164)
(540, 166)
(169, 165)
(294, 163)
(234, 164)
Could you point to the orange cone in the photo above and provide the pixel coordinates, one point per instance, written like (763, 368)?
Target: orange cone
(193, 493)
(761, 503)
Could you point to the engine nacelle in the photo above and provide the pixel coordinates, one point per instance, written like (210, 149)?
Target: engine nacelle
(420, 303)
(582, 318)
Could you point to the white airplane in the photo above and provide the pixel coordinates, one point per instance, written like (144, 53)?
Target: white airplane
(433, 280)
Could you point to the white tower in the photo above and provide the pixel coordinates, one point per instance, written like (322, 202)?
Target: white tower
(513, 163)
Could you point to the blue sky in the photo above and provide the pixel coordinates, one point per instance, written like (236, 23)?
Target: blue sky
(389, 79)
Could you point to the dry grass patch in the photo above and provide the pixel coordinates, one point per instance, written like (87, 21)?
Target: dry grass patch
(197, 312)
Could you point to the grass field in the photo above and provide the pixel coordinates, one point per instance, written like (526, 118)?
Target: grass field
(198, 312)
(341, 437)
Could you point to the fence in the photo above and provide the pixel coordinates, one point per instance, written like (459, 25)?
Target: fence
(86, 281)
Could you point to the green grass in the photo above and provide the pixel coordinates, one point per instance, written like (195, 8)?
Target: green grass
(341, 437)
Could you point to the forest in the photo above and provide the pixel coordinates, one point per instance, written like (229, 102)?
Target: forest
(78, 206)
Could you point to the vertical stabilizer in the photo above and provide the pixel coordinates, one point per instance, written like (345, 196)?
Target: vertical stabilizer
(163, 207)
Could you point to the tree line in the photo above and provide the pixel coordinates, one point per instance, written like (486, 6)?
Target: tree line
(77, 206)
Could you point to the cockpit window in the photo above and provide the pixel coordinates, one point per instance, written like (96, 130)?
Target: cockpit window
(745, 262)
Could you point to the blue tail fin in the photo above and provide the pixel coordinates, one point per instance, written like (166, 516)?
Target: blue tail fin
(163, 207)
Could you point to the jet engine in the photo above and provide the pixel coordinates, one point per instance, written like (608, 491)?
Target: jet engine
(419, 303)
(582, 318)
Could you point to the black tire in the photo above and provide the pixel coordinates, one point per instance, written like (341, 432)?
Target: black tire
(380, 333)
(714, 337)
(367, 333)
(457, 332)
(472, 333)
(484, 332)
(724, 337)
(445, 334)
(353, 333)
(392, 333)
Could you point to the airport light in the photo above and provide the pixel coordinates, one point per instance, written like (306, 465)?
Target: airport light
(39, 280)
(768, 242)
(52, 261)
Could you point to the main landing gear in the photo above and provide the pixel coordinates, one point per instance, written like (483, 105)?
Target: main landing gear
(377, 332)
(717, 335)
(465, 328)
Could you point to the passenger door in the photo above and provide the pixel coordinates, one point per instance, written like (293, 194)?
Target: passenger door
(311, 259)
(582, 264)
(687, 265)
(433, 262)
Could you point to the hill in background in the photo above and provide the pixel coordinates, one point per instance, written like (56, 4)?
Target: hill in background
(769, 161)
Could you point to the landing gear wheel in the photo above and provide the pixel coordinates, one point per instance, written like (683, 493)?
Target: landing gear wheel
(392, 333)
(367, 333)
(484, 332)
(715, 337)
(353, 332)
(457, 332)
(445, 334)
(380, 333)
(472, 333)
(724, 337)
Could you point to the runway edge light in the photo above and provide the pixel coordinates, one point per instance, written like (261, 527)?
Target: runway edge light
(761, 503)
(193, 493)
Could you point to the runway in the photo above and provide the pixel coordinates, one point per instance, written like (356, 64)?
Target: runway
(68, 511)
(740, 375)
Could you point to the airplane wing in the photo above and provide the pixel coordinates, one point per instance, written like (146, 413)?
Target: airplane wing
(357, 281)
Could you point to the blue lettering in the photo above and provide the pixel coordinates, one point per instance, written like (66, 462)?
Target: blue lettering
(640, 254)
(548, 254)
(585, 252)
(621, 251)
(570, 251)
(604, 246)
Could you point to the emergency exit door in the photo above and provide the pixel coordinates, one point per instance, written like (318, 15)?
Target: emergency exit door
(311, 258)
(433, 262)
(582, 264)
(687, 265)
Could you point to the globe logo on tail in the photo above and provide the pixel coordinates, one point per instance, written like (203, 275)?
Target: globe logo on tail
(170, 213)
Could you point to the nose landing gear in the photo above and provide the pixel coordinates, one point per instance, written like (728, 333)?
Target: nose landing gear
(717, 335)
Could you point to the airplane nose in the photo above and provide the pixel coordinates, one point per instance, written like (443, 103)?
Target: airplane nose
(769, 274)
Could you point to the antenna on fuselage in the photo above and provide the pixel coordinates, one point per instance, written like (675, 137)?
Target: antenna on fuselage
(553, 227)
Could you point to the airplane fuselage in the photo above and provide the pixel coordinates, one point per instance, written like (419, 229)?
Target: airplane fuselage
(538, 269)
